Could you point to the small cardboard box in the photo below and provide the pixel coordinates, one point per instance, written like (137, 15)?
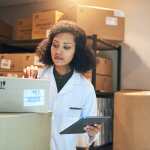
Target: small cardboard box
(25, 131)
(5, 30)
(23, 29)
(103, 83)
(104, 66)
(43, 21)
(131, 120)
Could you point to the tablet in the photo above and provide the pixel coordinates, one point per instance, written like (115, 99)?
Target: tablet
(78, 127)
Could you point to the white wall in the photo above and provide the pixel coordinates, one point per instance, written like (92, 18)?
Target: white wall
(136, 47)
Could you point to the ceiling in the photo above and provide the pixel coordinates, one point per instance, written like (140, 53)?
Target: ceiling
(5, 3)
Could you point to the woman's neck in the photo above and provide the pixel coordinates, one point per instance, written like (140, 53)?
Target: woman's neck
(62, 70)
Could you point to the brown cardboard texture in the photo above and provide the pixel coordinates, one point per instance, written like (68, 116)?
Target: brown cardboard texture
(131, 120)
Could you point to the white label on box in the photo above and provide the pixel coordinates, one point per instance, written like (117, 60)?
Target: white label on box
(119, 13)
(111, 21)
(34, 97)
(5, 64)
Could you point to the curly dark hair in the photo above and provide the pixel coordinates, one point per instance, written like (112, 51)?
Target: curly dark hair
(84, 57)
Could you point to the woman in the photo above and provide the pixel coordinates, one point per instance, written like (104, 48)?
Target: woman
(66, 58)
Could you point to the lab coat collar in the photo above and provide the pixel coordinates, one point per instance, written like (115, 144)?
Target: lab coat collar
(73, 81)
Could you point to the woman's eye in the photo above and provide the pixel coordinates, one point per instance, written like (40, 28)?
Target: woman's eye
(67, 47)
(55, 45)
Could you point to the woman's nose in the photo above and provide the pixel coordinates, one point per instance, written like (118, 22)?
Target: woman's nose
(59, 50)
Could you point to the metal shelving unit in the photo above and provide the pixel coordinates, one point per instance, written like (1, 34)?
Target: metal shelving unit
(105, 45)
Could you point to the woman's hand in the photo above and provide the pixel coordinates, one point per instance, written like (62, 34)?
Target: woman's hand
(92, 130)
(31, 72)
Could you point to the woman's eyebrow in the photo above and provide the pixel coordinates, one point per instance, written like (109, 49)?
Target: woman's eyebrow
(67, 43)
(55, 41)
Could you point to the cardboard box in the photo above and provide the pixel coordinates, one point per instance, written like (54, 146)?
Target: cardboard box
(5, 30)
(103, 83)
(25, 131)
(23, 29)
(11, 74)
(132, 120)
(11, 62)
(104, 66)
(43, 21)
(106, 23)
(24, 95)
(30, 59)
(17, 61)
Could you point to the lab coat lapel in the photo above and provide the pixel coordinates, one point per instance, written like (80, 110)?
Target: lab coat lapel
(73, 81)
(52, 81)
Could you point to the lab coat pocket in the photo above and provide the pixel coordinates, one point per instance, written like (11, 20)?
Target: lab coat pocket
(74, 112)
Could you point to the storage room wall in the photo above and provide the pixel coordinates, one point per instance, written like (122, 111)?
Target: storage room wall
(135, 53)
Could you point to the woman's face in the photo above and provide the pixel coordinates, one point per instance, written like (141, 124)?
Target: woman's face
(63, 49)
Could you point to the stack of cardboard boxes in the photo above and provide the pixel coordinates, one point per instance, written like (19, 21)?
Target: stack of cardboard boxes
(25, 120)
(107, 24)
(103, 74)
(37, 26)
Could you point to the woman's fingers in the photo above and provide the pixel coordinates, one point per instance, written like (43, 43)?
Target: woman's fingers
(92, 130)
(30, 72)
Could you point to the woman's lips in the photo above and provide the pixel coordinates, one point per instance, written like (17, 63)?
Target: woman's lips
(58, 58)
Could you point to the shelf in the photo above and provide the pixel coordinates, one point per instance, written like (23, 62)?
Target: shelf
(30, 45)
(104, 94)
(19, 46)
(107, 45)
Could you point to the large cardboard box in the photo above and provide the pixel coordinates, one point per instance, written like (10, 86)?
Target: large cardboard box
(132, 120)
(43, 21)
(17, 61)
(5, 30)
(23, 29)
(104, 66)
(25, 131)
(106, 23)
(103, 83)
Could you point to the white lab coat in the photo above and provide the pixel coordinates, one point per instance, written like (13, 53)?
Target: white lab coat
(78, 93)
